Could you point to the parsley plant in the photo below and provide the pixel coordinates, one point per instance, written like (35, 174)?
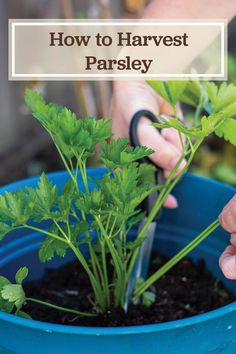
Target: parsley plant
(101, 218)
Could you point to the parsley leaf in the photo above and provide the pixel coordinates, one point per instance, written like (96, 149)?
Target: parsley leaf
(45, 197)
(14, 210)
(124, 190)
(21, 274)
(50, 247)
(5, 305)
(171, 91)
(227, 130)
(222, 98)
(117, 153)
(13, 293)
(74, 137)
(4, 229)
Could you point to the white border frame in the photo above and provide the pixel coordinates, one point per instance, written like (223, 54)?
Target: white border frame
(12, 55)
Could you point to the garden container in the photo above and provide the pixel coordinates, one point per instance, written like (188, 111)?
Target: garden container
(200, 201)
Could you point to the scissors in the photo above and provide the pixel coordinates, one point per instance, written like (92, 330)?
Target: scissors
(143, 259)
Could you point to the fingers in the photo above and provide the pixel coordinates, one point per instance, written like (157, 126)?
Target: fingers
(227, 262)
(128, 98)
(166, 154)
(172, 136)
(171, 202)
(227, 217)
(227, 220)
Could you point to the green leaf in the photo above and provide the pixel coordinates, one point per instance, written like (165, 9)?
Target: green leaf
(73, 137)
(14, 208)
(117, 153)
(65, 201)
(13, 293)
(173, 123)
(192, 93)
(4, 230)
(91, 202)
(45, 199)
(230, 110)
(36, 104)
(227, 130)
(222, 98)
(171, 91)
(21, 274)
(148, 298)
(147, 173)
(212, 90)
(50, 247)
(5, 305)
(125, 190)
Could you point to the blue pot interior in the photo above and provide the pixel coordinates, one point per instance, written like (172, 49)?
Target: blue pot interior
(200, 202)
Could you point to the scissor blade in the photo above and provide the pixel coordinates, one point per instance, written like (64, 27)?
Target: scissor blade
(141, 266)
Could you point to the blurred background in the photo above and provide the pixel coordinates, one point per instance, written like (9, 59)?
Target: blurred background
(25, 149)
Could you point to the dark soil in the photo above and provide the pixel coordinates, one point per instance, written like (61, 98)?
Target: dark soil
(187, 290)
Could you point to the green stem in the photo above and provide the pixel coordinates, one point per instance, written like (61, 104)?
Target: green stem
(106, 282)
(68, 229)
(61, 230)
(194, 243)
(161, 198)
(118, 266)
(96, 267)
(47, 233)
(60, 308)
(66, 165)
(198, 110)
(94, 282)
(95, 264)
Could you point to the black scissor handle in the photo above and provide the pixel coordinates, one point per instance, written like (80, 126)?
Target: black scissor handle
(133, 130)
(159, 176)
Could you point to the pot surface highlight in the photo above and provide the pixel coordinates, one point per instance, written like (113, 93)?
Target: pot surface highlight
(200, 201)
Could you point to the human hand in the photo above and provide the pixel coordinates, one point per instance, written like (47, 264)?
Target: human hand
(132, 96)
(227, 220)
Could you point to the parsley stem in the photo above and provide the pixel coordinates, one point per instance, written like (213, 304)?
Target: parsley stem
(66, 165)
(104, 265)
(61, 230)
(180, 255)
(162, 197)
(60, 308)
(94, 282)
(45, 232)
(116, 261)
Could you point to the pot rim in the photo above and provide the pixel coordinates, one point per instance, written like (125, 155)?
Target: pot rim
(61, 173)
(122, 330)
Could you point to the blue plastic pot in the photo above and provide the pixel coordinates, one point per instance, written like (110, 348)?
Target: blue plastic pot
(200, 201)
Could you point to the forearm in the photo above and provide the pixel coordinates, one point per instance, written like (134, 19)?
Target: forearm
(188, 9)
